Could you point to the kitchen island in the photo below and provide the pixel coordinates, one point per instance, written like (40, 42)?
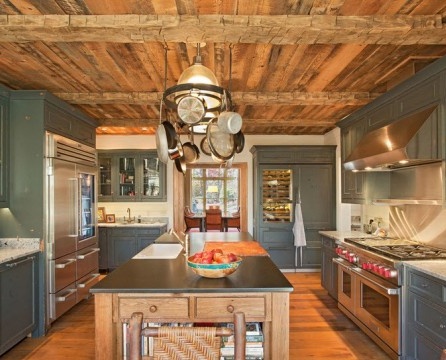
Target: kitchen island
(166, 290)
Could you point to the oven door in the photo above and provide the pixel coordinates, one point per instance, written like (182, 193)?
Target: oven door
(378, 306)
(346, 284)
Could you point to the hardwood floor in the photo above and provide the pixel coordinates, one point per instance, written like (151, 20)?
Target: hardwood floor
(318, 330)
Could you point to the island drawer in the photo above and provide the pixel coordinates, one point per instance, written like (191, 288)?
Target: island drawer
(155, 308)
(225, 307)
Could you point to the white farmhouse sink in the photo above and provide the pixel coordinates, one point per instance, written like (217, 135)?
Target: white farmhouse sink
(160, 251)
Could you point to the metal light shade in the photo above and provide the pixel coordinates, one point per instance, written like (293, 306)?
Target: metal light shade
(198, 74)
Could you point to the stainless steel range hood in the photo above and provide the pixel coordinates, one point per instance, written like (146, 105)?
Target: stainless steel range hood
(405, 142)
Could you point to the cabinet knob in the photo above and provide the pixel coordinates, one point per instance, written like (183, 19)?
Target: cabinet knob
(153, 308)
(230, 308)
(442, 326)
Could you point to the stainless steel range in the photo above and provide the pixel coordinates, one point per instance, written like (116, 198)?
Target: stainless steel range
(370, 277)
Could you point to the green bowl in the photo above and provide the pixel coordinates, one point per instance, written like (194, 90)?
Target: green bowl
(214, 270)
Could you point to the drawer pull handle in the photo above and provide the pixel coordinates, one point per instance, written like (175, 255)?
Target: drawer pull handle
(442, 326)
(153, 308)
(424, 285)
(230, 308)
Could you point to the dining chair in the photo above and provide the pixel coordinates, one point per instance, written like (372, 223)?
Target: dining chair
(183, 342)
(191, 221)
(233, 221)
(214, 220)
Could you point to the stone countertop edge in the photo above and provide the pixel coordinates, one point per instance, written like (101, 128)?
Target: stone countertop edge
(435, 268)
(15, 248)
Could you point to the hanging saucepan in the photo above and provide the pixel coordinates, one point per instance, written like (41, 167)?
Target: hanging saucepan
(177, 151)
(220, 142)
(239, 140)
(161, 144)
(190, 150)
(191, 109)
(171, 135)
(180, 164)
(204, 146)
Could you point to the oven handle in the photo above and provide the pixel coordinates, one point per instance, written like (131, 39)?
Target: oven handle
(345, 264)
(388, 290)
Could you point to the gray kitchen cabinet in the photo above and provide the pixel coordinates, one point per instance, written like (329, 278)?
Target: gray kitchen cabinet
(360, 187)
(300, 172)
(33, 113)
(329, 270)
(130, 175)
(103, 248)
(424, 316)
(18, 300)
(4, 147)
(119, 244)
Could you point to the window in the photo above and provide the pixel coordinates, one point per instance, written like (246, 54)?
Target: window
(215, 186)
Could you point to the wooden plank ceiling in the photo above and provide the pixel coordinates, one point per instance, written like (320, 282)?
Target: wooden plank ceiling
(298, 66)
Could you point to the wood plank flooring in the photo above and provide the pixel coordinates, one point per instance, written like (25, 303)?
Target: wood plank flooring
(318, 330)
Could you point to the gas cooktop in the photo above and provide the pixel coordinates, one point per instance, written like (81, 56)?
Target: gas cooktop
(399, 249)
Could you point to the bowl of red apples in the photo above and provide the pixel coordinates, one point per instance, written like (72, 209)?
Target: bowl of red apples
(214, 263)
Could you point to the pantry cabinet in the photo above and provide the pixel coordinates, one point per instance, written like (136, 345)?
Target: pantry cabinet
(131, 176)
(18, 300)
(425, 316)
(283, 177)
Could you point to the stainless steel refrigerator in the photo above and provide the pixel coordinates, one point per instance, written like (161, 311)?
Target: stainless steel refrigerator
(71, 223)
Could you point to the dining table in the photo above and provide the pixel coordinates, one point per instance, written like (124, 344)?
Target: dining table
(224, 218)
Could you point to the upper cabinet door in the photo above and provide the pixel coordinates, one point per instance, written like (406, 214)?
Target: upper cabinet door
(126, 178)
(152, 177)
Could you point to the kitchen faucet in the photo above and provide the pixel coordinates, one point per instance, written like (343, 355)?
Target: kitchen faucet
(129, 220)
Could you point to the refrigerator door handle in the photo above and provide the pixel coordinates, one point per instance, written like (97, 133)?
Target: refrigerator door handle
(74, 194)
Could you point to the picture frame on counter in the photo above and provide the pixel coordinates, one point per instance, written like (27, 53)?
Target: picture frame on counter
(101, 214)
(110, 218)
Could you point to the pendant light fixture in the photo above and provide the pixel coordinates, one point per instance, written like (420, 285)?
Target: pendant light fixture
(197, 101)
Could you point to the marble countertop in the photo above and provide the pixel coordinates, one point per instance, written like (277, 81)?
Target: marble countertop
(132, 224)
(12, 249)
(436, 268)
(340, 235)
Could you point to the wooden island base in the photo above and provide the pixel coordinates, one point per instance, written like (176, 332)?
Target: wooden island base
(112, 310)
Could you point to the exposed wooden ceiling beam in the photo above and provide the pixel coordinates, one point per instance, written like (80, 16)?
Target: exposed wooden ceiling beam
(107, 122)
(247, 98)
(279, 29)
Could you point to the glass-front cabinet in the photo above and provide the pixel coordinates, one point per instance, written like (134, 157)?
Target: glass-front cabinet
(131, 176)
(277, 194)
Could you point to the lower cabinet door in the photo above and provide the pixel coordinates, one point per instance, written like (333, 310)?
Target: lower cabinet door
(419, 347)
(17, 301)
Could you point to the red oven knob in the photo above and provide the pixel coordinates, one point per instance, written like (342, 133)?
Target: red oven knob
(338, 251)
(367, 266)
(375, 267)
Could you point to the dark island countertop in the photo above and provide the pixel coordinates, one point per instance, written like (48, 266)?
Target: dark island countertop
(255, 274)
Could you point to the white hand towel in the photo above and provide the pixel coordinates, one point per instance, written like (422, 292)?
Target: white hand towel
(298, 227)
